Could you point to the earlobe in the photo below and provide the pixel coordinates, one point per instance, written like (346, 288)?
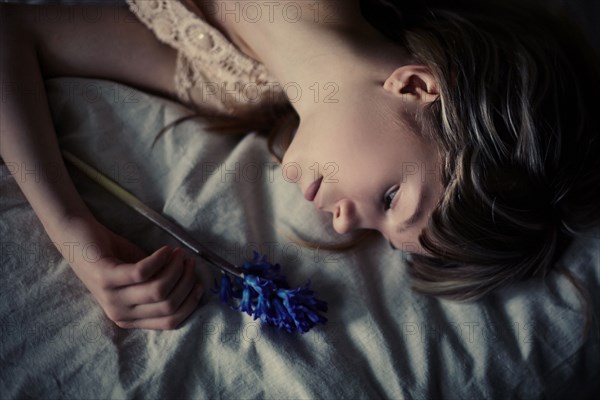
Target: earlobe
(412, 82)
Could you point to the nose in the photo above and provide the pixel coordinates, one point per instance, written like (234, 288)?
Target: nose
(345, 217)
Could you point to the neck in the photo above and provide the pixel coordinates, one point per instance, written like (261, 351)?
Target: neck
(308, 45)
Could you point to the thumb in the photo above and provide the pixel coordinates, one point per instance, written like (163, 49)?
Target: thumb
(154, 262)
(160, 256)
(141, 271)
(148, 266)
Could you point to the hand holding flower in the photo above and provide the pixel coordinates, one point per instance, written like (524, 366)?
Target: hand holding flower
(158, 291)
(258, 284)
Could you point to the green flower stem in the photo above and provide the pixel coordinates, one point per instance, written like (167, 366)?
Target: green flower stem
(169, 226)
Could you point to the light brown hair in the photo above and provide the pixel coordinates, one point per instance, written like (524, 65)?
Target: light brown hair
(518, 136)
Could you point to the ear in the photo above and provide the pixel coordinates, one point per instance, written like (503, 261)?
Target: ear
(413, 83)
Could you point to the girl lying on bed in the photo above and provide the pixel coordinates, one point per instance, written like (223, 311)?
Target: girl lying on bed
(464, 135)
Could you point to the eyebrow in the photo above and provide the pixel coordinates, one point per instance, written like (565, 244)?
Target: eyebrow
(417, 214)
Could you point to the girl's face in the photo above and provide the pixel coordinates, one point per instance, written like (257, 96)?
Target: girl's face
(367, 168)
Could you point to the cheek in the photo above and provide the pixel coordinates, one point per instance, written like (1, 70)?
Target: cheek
(341, 145)
(298, 148)
(313, 145)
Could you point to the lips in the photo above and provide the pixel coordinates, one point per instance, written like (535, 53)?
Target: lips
(312, 190)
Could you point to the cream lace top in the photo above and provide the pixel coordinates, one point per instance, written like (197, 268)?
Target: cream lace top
(210, 71)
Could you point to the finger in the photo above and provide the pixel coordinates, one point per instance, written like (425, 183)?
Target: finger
(133, 253)
(158, 288)
(125, 274)
(170, 322)
(170, 304)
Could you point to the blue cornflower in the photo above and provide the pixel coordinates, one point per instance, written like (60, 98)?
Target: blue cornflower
(246, 303)
(225, 293)
(259, 266)
(303, 307)
(282, 319)
(263, 310)
(264, 294)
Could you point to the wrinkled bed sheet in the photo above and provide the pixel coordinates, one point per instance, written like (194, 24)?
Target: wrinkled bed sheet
(381, 341)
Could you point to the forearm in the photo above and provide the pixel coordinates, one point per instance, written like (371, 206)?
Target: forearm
(28, 143)
(38, 42)
(127, 284)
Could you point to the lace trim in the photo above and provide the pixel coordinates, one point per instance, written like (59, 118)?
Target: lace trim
(206, 60)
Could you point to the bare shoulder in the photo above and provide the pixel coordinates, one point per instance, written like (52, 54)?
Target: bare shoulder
(95, 41)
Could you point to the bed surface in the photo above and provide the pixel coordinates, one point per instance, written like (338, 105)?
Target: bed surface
(381, 341)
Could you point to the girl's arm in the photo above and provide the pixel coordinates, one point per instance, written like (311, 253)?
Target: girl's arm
(38, 42)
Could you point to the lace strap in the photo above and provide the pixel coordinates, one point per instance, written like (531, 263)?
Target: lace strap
(204, 53)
